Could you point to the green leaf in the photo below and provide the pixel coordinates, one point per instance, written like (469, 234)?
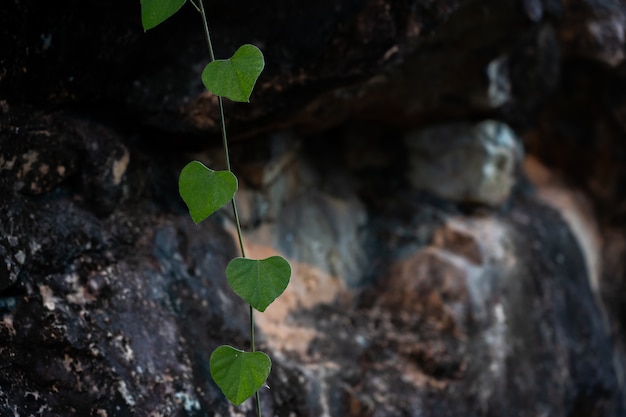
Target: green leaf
(234, 78)
(258, 282)
(239, 374)
(155, 12)
(205, 191)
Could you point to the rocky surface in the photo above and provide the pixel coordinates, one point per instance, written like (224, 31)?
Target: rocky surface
(473, 164)
(445, 177)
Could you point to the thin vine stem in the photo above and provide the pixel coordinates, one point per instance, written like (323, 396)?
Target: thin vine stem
(193, 3)
(205, 22)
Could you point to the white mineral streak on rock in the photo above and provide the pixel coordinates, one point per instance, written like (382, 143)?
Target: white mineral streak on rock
(123, 389)
(47, 297)
(499, 90)
(119, 167)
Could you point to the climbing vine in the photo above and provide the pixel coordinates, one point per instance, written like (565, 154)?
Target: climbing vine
(238, 373)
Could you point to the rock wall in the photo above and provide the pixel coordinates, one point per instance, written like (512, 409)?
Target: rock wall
(445, 177)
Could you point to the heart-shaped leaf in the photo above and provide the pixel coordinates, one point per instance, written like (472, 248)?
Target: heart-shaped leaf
(234, 78)
(155, 12)
(239, 374)
(258, 282)
(205, 191)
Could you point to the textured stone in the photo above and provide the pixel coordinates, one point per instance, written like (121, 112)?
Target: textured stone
(482, 311)
(594, 29)
(403, 302)
(465, 163)
(88, 274)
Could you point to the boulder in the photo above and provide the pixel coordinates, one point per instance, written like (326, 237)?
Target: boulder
(444, 177)
(463, 163)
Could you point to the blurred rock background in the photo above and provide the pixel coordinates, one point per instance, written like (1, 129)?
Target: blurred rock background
(446, 177)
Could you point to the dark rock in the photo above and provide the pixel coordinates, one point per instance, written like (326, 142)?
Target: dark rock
(594, 29)
(405, 300)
